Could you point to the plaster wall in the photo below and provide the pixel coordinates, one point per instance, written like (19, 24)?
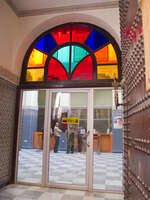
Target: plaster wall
(9, 34)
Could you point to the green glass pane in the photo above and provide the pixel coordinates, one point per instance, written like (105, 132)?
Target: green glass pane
(62, 55)
(77, 54)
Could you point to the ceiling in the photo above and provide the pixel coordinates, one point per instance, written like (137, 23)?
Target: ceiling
(36, 7)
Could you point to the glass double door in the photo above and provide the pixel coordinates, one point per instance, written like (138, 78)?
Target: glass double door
(68, 144)
(70, 138)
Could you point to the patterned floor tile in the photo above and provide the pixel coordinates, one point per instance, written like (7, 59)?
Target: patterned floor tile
(41, 193)
(15, 191)
(34, 194)
(107, 168)
(93, 198)
(71, 197)
(51, 196)
(75, 192)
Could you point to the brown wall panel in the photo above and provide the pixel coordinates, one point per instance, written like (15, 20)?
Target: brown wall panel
(137, 111)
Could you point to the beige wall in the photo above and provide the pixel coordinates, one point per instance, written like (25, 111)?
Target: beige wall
(22, 31)
(9, 31)
(145, 6)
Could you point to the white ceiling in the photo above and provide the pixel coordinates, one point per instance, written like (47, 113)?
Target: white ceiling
(34, 7)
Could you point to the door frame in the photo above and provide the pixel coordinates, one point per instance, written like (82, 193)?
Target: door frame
(89, 163)
(89, 154)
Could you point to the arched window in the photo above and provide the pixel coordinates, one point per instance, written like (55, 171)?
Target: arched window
(71, 53)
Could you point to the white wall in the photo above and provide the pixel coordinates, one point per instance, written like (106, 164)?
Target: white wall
(9, 33)
(32, 26)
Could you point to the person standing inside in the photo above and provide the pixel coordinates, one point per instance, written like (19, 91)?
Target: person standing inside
(57, 133)
(70, 140)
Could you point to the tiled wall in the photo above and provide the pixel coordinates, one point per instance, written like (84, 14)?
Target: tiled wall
(7, 124)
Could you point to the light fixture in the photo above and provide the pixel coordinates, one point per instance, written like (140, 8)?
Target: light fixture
(117, 84)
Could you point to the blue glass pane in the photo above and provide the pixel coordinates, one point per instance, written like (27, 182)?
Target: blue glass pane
(77, 54)
(46, 44)
(96, 40)
(62, 55)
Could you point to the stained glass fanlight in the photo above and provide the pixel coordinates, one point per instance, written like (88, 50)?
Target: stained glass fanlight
(72, 52)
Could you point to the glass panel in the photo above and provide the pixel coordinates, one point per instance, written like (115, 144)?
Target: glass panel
(96, 40)
(103, 98)
(102, 55)
(106, 55)
(61, 34)
(68, 138)
(35, 75)
(37, 59)
(46, 44)
(107, 174)
(31, 140)
(107, 71)
(56, 71)
(77, 54)
(84, 70)
(80, 33)
(112, 54)
(62, 55)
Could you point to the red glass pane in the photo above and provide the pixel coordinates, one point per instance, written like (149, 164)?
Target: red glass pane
(62, 34)
(84, 70)
(56, 71)
(80, 33)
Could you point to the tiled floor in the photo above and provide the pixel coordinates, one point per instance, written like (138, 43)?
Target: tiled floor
(22, 192)
(71, 169)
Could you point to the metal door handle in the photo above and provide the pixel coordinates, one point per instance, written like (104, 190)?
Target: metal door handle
(87, 144)
(88, 133)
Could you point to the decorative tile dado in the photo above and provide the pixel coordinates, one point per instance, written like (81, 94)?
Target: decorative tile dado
(7, 121)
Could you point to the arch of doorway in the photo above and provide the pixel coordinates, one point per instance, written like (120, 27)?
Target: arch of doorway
(52, 22)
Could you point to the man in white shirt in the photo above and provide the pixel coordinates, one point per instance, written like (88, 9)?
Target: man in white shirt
(57, 133)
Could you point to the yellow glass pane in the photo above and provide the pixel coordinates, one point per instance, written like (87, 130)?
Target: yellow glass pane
(35, 75)
(106, 55)
(111, 54)
(37, 59)
(107, 71)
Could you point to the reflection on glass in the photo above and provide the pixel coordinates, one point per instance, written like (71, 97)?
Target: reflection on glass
(102, 119)
(68, 138)
(31, 141)
(34, 75)
(107, 173)
(107, 71)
